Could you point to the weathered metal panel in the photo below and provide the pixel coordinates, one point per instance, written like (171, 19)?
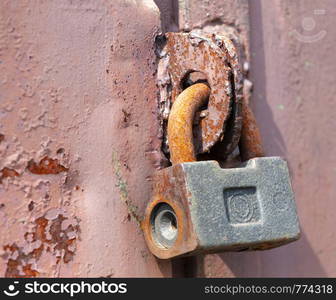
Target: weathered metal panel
(293, 71)
(79, 137)
(72, 116)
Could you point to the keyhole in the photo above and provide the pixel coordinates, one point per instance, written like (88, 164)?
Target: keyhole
(164, 225)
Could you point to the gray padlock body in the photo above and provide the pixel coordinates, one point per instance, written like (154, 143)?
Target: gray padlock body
(250, 207)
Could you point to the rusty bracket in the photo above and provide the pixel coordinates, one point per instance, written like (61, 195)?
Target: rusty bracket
(227, 121)
(215, 58)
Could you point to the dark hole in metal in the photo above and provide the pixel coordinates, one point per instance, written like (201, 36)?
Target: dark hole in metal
(164, 225)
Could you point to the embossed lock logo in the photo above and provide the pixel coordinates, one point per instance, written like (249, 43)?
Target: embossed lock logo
(242, 205)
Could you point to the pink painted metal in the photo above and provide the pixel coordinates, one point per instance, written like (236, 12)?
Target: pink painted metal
(68, 98)
(79, 137)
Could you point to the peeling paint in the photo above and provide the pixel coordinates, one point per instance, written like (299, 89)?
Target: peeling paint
(7, 172)
(59, 115)
(54, 233)
(46, 166)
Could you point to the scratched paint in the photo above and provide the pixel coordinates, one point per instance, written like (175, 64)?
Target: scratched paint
(53, 235)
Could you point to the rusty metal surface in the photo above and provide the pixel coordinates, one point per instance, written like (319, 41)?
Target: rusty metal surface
(250, 143)
(75, 79)
(215, 57)
(180, 129)
(195, 57)
(170, 187)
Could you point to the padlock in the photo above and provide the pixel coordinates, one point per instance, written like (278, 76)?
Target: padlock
(199, 207)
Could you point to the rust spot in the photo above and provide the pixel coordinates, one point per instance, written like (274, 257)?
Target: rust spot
(51, 236)
(41, 224)
(250, 144)
(21, 260)
(2, 137)
(29, 271)
(58, 239)
(46, 166)
(126, 118)
(7, 172)
(31, 205)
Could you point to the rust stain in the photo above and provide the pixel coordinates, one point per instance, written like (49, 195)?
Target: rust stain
(46, 166)
(47, 235)
(59, 239)
(20, 261)
(2, 137)
(250, 144)
(29, 271)
(7, 172)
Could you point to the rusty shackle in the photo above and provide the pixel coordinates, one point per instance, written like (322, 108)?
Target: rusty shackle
(180, 135)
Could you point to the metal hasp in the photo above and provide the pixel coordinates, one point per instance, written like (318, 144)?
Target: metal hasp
(215, 209)
(214, 58)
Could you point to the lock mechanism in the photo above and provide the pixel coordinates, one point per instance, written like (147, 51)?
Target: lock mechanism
(198, 207)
